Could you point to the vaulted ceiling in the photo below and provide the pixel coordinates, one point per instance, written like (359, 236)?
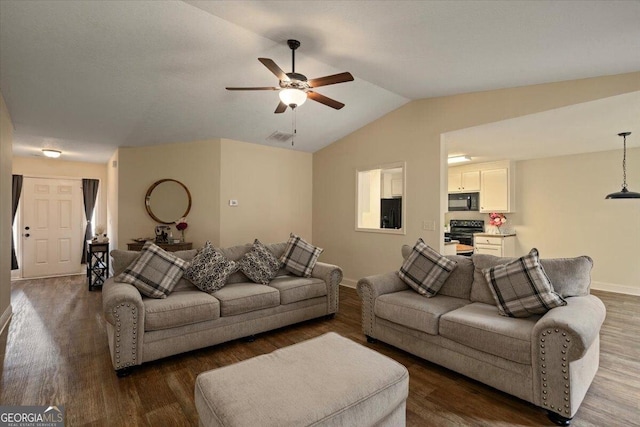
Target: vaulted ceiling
(87, 77)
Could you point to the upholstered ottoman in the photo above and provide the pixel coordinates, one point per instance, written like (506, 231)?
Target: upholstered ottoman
(325, 381)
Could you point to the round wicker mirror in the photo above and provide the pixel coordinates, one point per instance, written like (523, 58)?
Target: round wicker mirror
(167, 200)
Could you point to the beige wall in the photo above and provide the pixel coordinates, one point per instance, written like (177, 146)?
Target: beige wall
(6, 147)
(45, 167)
(562, 211)
(195, 164)
(413, 134)
(273, 188)
(112, 199)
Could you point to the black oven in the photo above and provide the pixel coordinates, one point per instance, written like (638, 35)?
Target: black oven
(464, 202)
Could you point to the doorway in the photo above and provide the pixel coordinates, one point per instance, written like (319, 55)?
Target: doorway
(51, 227)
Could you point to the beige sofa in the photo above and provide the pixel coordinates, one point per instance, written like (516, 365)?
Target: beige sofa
(142, 329)
(548, 360)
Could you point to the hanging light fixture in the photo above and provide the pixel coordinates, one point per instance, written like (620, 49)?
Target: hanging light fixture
(624, 193)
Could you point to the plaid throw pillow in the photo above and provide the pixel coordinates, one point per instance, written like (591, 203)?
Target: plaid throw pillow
(425, 270)
(521, 287)
(155, 272)
(209, 269)
(259, 264)
(300, 257)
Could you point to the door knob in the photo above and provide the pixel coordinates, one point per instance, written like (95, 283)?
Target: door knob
(27, 228)
(27, 235)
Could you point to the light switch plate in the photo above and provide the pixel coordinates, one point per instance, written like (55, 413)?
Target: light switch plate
(233, 202)
(429, 225)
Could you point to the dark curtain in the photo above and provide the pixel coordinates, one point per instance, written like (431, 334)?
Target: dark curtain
(90, 194)
(16, 189)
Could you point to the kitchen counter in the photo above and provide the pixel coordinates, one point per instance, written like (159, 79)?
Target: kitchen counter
(494, 235)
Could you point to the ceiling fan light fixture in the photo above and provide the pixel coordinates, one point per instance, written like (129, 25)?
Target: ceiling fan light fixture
(49, 152)
(293, 97)
(624, 193)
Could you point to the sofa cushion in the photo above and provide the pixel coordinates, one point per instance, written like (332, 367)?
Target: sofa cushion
(180, 309)
(479, 326)
(209, 269)
(408, 309)
(234, 253)
(259, 264)
(458, 284)
(425, 270)
(521, 287)
(123, 259)
(570, 277)
(300, 256)
(239, 298)
(294, 289)
(155, 273)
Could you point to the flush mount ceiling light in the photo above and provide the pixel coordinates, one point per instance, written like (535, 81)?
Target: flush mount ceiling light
(49, 152)
(624, 193)
(458, 159)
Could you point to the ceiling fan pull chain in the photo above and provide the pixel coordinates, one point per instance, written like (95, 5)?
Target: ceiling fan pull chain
(294, 126)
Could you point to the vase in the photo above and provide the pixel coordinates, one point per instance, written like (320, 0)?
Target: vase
(182, 233)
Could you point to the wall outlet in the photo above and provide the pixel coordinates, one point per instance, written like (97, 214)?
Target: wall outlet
(429, 225)
(233, 202)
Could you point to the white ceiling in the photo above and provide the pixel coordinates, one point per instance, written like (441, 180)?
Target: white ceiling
(89, 76)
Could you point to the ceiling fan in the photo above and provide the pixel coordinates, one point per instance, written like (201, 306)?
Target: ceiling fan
(295, 88)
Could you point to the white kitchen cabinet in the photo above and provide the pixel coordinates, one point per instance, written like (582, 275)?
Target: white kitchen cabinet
(495, 244)
(463, 182)
(496, 190)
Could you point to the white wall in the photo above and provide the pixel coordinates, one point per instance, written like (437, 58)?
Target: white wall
(112, 199)
(6, 147)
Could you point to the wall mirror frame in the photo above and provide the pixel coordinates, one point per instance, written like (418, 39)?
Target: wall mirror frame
(167, 200)
(381, 198)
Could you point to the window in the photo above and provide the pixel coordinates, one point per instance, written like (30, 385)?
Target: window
(380, 199)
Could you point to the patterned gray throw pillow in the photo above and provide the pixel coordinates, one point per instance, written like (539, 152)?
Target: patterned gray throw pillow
(425, 270)
(259, 264)
(209, 269)
(155, 272)
(521, 287)
(300, 256)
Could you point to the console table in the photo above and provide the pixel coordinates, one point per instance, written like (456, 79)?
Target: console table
(169, 247)
(97, 263)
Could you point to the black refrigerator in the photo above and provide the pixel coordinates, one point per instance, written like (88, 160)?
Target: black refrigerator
(391, 213)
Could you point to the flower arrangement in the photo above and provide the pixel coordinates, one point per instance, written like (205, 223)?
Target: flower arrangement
(497, 220)
(182, 225)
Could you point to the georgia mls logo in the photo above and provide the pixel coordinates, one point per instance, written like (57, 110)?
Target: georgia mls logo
(31, 416)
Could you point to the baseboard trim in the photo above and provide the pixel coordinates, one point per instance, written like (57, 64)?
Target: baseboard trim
(614, 287)
(5, 318)
(349, 283)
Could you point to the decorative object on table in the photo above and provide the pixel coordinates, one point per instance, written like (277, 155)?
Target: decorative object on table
(101, 234)
(162, 233)
(182, 225)
(624, 193)
(497, 220)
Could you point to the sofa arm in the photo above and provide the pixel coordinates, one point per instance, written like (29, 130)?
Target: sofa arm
(370, 288)
(123, 310)
(332, 276)
(580, 320)
(565, 353)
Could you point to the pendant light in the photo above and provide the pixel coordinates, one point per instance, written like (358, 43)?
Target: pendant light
(624, 193)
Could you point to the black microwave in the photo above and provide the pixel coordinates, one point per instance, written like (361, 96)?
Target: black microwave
(464, 202)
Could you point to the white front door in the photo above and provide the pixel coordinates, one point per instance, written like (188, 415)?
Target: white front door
(52, 227)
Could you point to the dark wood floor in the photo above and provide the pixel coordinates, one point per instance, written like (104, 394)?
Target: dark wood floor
(56, 353)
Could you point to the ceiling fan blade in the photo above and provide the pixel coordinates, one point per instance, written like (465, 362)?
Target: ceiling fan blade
(331, 80)
(281, 108)
(253, 88)
(273, 67)
(325, 100)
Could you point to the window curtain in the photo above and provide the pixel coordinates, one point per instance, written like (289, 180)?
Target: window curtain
(90, 195)
(16, 189)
